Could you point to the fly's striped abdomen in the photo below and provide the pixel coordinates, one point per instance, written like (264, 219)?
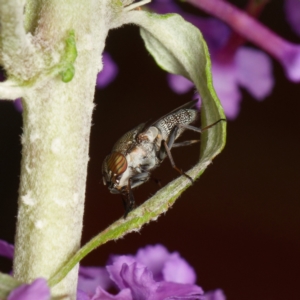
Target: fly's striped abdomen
(180, 117)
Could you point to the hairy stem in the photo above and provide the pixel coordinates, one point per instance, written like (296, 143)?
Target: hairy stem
(57, 121)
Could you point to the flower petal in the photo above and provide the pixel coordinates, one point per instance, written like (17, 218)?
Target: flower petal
(92, 277)
(103, 295)
(115, 268)
(82, 295)
(177, 270)
(226, 86)
(140, 281)
(18, 105)
(254, 71)
(6, 249)
(170, 290)
(215, 295)
(165, 6)
(38, 289)
(292, 11)
(215, 32)
(179, 84)
(290, 58)
(108, 73)
(154, 258)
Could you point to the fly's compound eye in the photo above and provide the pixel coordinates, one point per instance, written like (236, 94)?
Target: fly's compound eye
(116, 165)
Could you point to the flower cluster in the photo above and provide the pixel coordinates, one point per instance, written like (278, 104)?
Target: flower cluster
(153, 273)
(233, 64)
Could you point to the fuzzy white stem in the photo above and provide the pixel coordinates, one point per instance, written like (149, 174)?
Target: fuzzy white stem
(57, 121)
(16, 47)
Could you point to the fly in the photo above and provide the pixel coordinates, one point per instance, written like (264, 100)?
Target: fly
(142, 149)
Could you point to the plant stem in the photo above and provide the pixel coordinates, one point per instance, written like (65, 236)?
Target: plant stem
(56, 130)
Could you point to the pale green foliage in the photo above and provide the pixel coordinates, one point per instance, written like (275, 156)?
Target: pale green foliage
(7, 283)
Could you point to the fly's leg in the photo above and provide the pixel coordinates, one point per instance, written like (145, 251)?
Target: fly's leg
(124, 200)
(173, 163)
(138, 179)
(163, 153)
(200, 130)
(157, 181)
(128, 198)
(185, 143)
(193, 128)
(165, 150)
(190, 127)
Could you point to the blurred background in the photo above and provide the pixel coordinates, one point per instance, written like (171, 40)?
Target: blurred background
(238, 225)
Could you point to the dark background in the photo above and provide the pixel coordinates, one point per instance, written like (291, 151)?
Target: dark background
(238, 226)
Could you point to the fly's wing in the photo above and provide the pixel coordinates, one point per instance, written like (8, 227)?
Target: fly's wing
(127, 141)
(182, 115)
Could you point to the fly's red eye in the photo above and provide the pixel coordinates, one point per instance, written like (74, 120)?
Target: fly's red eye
(117, 163)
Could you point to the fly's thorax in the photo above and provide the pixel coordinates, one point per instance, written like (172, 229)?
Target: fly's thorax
(149, 135)
(128, 140)
(141, 159)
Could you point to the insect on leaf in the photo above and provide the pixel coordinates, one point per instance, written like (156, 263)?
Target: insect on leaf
(178, 47)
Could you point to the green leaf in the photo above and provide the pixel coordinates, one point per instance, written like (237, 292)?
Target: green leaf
(7, 284)
(178, 47)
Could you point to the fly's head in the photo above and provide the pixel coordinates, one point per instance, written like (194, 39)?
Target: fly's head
(113, 168)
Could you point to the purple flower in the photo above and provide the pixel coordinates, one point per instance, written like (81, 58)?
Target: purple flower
(18, 102)
(288, 54)
(166, 266)
(18, 105)
(215, 295)
(152, 274)
(248, 68)
(103, 295)
(92, 277)
(108, 73)
(232, 66)
(132, 275)
(179, 84)
(6, 249)
(292, 11)
(37, 290)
